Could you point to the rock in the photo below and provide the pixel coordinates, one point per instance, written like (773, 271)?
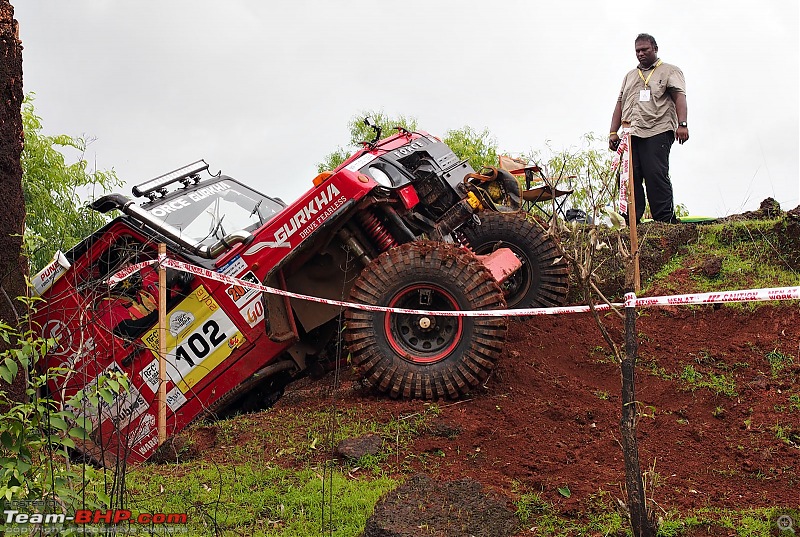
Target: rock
(711, 266)
(443, 429)
(770, 207)
(189, 445)
(459, 508)
(355, 448)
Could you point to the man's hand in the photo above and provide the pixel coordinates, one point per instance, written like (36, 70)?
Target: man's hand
(682, 134)
(613, 142)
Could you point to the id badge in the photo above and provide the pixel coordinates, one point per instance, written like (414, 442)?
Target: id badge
(644, 95)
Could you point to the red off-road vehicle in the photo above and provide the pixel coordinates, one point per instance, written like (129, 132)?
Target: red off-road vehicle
(402, 223)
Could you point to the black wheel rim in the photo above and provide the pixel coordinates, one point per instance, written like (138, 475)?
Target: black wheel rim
(423, 339)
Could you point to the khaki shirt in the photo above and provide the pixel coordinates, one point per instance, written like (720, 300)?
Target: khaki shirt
(648, 118)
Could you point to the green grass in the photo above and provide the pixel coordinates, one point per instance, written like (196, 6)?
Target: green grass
(258, 500)
(719, 384)
(709, 521)
(778, 361)
(540, 518)
(794, 402)
(602, 395)
(270, 500)
(299, 437)
(266, 473)
(529, 505)
(787, 434)
(655, 369)
(743, 247)
(751, 254)
(603, 517)
(662, 276)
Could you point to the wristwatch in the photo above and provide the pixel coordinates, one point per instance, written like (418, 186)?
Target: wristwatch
(683, 124)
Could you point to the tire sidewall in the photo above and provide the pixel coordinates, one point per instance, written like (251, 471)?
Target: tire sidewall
(457, 273)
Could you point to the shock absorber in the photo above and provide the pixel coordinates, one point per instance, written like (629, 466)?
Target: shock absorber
(376, 230)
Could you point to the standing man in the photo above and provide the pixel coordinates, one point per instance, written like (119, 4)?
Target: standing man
(653, 102)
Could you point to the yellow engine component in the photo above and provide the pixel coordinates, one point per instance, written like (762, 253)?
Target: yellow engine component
(474, 202)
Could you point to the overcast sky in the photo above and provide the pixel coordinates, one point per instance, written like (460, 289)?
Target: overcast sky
(264, 90)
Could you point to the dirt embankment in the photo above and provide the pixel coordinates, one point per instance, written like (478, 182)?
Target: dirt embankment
(719, 408)
(717, 397)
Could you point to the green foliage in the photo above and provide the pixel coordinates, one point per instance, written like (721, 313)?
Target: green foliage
(753, 254)
(247, 499)
(602, 394)
(360, 132)
(778, 361)
(794, 402)
(720, 384)
(529, 505)
(681, 210)
(712, 521)
(787, 434)
(594, 187)
(36, 435)
(541, 518)
(298, 438)
(479, 148)
(56, 216)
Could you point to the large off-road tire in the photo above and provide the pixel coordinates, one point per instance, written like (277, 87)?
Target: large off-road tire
(542, 281)
(425, 356)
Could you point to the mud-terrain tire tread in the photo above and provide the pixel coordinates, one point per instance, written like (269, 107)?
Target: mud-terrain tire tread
(444, 266)
(543, 263)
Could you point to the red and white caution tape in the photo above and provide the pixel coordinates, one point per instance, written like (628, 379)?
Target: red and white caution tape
(749, 295)
(127, 272)
(622, 158)
(217, 276)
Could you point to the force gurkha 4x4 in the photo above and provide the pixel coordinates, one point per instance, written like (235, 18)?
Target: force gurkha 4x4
(402, 223)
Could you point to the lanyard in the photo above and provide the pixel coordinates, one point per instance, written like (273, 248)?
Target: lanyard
(647, 80)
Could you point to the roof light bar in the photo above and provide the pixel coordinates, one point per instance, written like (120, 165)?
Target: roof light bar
(158, 186)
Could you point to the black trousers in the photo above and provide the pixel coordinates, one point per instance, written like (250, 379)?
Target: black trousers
(651, 164)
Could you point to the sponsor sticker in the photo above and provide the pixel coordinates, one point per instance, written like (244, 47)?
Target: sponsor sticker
(234, 267)
(203, 343)
(178, 321)
(185, 201)
(360, 162)
(124, 407)
(46, 277)
(146, 427)
(175, 399)
(150, 375)
(253, 312)
(240, 294)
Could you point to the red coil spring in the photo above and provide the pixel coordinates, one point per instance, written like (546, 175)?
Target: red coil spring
(377, 231)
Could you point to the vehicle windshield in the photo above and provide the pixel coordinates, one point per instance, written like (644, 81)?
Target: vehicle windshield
(209, 213)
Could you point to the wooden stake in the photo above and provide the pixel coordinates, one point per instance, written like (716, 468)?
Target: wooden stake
(162, 345)
(637, 284)
(637, 507)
